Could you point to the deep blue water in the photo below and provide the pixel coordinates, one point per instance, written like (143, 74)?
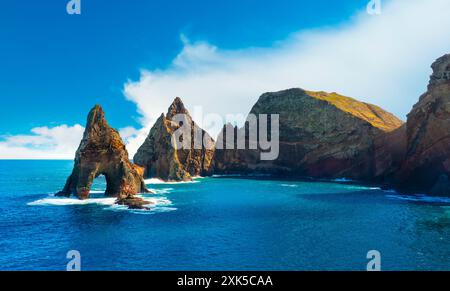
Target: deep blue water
(218, 223)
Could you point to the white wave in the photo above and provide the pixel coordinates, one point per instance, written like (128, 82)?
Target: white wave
(97, 192)
(420, 198)
(162, 190)
(355, 187)
(156, 203)
(59, 201)
(289, 185)
(156, 181)
(92, 193)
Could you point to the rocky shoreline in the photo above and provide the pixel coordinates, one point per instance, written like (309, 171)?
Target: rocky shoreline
(321, 136)
(329, 136)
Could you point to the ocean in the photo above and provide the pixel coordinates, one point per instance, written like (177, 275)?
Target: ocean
(217, 223)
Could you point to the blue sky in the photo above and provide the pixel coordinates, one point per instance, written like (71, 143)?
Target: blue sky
(55, 66)
(133, 57)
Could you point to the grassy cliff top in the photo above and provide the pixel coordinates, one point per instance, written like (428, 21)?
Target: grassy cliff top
(373, 114)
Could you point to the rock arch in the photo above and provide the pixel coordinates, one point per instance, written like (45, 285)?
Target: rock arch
(102, 152)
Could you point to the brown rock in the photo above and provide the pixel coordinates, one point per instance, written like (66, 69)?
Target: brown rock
(161, 159)
(322, 135)
(390, 151)
(133, 203)
(102, 152)
(427, 165)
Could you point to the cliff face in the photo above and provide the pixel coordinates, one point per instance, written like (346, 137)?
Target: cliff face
(162, 160)
(102, 152)
(390, 152)
(427, 164)
(321, 135)
(331, 136)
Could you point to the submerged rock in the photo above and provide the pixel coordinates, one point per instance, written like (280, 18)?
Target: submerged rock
(162, 159)
(426, 168)
(321, 135)
(102, 152)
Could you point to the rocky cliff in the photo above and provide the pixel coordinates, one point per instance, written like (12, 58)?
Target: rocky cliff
(321, 135)
(161, 158)
(102, 152)
(426, 167)
(331, 136)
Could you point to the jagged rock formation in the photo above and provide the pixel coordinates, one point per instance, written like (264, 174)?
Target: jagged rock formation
(321, 135)
(426, 167)
(102, 152)
(161, 159)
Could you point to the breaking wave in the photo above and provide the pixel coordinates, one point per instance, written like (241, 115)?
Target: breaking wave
(156, 181)
(162, 190)
(420, 198)
(56, 201)
(158, 202)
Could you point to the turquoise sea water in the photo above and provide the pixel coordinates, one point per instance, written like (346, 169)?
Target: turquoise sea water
(217, 224)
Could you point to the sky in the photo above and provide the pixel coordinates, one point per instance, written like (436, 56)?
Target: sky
(134, 57)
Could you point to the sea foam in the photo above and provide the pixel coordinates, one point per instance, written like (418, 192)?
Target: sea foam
(162, 190)
(157, 205)
(420, 198)
(55, 201)
(156, 181)
(157, 202)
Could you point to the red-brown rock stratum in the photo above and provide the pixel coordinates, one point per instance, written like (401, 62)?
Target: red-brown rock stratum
(102, 152)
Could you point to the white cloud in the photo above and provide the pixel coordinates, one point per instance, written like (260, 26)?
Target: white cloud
(133, 138)
(58, 142)
(382, 59)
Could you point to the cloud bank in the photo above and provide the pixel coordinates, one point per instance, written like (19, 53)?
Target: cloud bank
(382, 59)
(58, 142)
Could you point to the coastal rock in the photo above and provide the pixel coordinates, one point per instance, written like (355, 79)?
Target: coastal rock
(134, 203)
(322, 135)
(390, 152)
(426, 168)
(102, 152)
(162, 159)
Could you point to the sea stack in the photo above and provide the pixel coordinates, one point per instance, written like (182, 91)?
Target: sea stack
(160, 156)
(321, 135)
(426, 168)
(102, 152)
